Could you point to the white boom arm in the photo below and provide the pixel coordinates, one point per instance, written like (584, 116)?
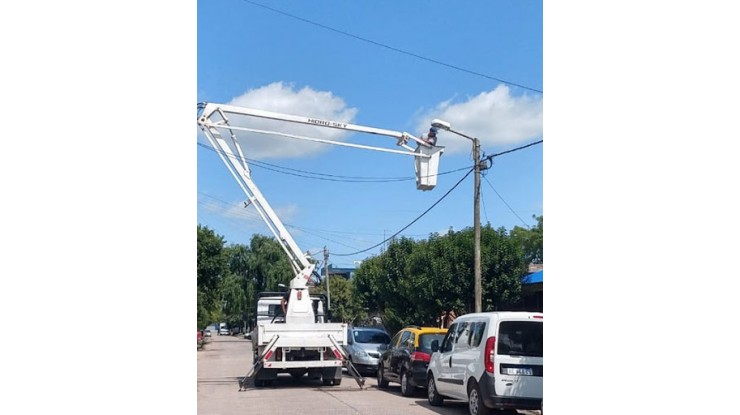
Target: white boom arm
(215, 117)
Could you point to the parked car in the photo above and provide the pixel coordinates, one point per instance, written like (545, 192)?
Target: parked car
(364, 346)
(223, 331)
(490, 360)
(207, 333)
(407, 358)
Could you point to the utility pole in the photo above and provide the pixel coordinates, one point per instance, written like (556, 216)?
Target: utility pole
(326, 276)
(476, 227)
(436, 123)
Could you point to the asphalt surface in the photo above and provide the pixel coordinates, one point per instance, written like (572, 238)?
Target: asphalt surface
(224, 360)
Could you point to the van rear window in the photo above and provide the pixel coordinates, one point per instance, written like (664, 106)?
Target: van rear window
(520, 338)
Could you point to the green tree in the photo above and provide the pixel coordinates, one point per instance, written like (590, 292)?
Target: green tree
(530, 241)
(345, 306)
(502, 267)
(211, 266)
(413, 281)
(267, 264)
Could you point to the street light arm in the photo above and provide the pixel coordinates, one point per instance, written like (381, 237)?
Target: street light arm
(444, 125)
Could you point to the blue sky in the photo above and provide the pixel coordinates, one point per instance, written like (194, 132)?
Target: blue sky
(478, 65)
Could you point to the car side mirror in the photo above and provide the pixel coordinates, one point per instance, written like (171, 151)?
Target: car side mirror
(435, 346)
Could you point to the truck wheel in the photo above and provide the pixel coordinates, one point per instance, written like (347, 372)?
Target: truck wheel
(475, 401)
(406, 389)
(382, 383)
(435, 399)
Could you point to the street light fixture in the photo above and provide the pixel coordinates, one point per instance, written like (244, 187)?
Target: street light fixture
(444, 125)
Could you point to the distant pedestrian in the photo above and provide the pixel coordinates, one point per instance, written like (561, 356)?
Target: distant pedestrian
(451, 316)
(442, 319)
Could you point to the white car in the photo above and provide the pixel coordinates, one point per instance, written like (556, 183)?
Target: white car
(490, 360)
(223, 331)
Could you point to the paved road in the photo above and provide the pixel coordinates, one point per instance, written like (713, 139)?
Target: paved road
(225, 359)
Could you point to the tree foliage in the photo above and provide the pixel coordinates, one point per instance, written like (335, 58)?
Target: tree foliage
(530, 241)
(342, 299)
(211, 266)
(230, 276)
(410, 282)
(413, 281)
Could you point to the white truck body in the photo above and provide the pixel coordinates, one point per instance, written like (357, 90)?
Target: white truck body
(303, 342)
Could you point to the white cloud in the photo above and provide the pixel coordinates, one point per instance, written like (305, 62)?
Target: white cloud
(496, 118)
(284, 98)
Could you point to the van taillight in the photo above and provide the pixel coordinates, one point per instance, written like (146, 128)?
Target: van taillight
(488, 354)
(421, 356)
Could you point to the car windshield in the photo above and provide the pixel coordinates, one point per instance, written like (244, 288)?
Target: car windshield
(371, 336)
(425, 341)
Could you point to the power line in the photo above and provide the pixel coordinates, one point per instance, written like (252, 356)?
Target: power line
(391, 47)
(507, 205)
(413, 221)
(512, 150)
(328, 177)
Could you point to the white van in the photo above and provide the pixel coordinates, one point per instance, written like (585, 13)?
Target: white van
(491, 360)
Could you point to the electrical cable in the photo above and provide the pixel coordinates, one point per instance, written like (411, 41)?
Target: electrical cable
(392, 48)
(512, 150)
(413, 221)
(507, 205)
(329, 177)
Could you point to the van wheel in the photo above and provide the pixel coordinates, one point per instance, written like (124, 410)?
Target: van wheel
(435, 399)
(475, 401)
(406, 389)
(382, 383)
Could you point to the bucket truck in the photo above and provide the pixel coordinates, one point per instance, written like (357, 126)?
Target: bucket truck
(292, 333)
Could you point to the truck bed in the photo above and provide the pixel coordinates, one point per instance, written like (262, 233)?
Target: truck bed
(302, 335)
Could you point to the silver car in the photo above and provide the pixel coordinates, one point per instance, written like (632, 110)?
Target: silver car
(364, 347)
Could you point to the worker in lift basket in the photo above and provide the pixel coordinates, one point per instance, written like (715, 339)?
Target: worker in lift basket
(431, 137)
